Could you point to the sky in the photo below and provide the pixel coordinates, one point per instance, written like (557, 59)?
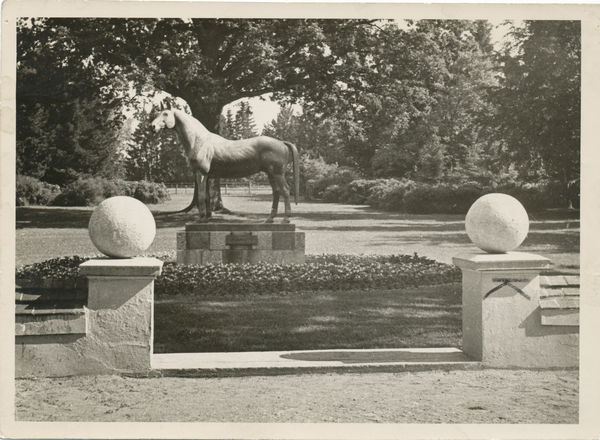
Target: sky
(264, 110)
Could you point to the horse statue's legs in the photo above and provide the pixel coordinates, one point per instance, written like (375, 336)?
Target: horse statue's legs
(285, 191)
(275, 206)
(203, 197)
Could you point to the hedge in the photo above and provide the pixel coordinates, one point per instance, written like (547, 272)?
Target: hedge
(32, 191)
(86, 191)
(422, 198)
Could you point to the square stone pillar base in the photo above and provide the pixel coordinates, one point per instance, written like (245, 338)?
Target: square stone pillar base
(502, 322)
(242, 243)
(116, 333)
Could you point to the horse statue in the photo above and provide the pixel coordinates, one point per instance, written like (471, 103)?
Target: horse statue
(212, 156)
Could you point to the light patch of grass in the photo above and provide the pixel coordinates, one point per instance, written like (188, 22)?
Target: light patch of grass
(385, 311)
(324, 319)
(309, 328)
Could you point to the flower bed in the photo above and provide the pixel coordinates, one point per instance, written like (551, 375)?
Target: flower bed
(319, 273)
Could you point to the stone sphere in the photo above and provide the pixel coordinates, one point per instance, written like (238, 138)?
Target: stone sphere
(497, 223)
(122, 227)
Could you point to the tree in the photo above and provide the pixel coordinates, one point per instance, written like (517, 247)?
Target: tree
(315, 136)
(539, 100)
(155, 158)
(393, 101)
(68, 114)
(238, 126)
(212, 62)
(284, 126)
(243, 125)
(207, 62)
(227, 125)
(415, 99)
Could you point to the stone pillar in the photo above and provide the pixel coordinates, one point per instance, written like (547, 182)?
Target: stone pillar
(502, 324)
(108, 330)
(120, 314)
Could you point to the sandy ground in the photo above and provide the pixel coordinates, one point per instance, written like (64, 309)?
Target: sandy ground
(474, 396)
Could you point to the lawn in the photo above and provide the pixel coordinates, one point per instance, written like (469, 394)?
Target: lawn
(428, 316)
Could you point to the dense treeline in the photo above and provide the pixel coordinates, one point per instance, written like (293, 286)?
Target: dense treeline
(432, 102)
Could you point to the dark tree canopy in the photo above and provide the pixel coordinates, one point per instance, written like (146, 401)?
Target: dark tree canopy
(68, 108)
(539, 99)
(207, 62)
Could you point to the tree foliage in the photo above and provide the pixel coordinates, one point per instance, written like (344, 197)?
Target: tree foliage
(68, 108)
(539, 99)
(240, 126)
(428, 100)
(155, 158)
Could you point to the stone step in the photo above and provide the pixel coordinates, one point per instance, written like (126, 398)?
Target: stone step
(295, 362)
(559, 300)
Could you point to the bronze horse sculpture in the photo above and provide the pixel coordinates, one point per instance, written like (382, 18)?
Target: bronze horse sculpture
(212, 156)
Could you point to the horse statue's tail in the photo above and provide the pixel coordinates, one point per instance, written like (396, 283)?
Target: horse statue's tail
(296, 168)
(188, 209)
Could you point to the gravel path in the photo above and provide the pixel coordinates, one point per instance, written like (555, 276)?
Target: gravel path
(474, 396)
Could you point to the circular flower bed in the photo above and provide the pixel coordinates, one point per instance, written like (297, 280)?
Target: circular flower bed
(320, 272)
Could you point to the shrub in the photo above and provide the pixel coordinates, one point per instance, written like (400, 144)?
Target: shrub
(315, 168)
(32, 191)
(124, 188)
(388, 194)
(93, 190)
(62, 267)
(358, 192)
(341, 177)
(341, 186)
(319, 273)
(83, 192)
(539, 196)
(422, 199)
(316, 176)
(150, 192)
(441, 199)
(333, 194)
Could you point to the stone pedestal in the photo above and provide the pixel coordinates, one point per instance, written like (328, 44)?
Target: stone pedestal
(251, 243)
(116, 332)
(502, 318)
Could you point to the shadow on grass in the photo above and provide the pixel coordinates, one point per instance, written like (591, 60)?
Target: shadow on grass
(78, 217)
(428, 316)
(36, 217)
(45, 217)
(543, 241)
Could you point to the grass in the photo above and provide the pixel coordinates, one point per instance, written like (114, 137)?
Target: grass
(428, 316)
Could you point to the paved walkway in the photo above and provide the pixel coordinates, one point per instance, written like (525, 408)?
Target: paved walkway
(283, 362)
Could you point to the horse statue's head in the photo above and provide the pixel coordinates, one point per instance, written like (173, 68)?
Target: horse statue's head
(165, 119)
